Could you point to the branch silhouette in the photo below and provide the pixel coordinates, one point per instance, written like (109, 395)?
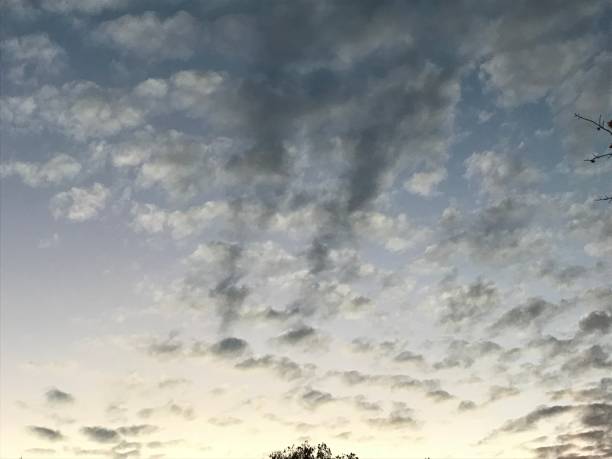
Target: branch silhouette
(599, 126)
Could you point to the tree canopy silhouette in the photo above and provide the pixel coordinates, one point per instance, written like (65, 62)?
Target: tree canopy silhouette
(306, 451)
(600, 126)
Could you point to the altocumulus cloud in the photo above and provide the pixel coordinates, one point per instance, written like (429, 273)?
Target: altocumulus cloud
(100, 434)
(329, 202)
(46, 433)
(58, 397)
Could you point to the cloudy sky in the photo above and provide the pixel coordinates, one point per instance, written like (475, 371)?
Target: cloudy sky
(229, 226)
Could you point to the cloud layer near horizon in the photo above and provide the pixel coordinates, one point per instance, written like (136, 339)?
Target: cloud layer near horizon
(365, 223)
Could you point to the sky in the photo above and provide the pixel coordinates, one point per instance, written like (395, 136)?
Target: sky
(231, 226)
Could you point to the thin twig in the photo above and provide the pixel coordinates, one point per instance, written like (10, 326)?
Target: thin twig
(598, 124)
(596, 157)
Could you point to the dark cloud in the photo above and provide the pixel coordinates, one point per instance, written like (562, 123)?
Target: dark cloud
(499, 234)
(529, 421)
(363, 404)
(135, 430)
(169, 347)
(439, 395)
(524, 315)
(400, 417)
(597, 415)
(101, 434)
(467, 303)
(499, 392)
(313, 398)
(596, 321)
(464, 354)
(560, 275)
(552, 346)
(392, 381)
(185, 412)
(229, 347)
(284, 367)
(407, 356)
(46, 433)
(594, 357)
(57, 396)
(223, 271)
(297, 335)
(466, 405)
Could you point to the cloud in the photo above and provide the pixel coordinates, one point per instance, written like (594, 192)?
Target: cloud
(81, 110)
(594, 357)
(83, 6)
(80, 204)
(136, 430)
(362, 403)
(283, 366)
(464, 354)
(439, 395)
(533, 311)
(596, 321)
(149, 218)
(229, 347)
(467, 303)
(224, 421)
(58, 169)
(499, 173)
(28, 59)
(543, 68)
(425, 183)
(172, 382)
(466, 405)
(46, 433)
(168, 347)
(408, 356)
(150, 38)
(312, 398)
(100, 434)
(41, 451)
(500, 392)
(530, 420)
(559, 274)
(399, 418)
(56, 396)
(301, 335)
(502, 233)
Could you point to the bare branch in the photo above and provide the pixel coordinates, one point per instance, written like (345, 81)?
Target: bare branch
(596, 157)
(599, 125)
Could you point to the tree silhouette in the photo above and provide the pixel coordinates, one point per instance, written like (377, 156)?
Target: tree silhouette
(600, 126)
(306, 451)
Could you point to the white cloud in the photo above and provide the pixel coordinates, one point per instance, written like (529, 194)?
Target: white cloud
(151, 219)
(526, 75)
(425, 183)
(498, 173)
(82, 110)
(484, 116)
(80, 204)
(83, 6)
(49, 242)
(149, 37)
(57, 170)
(29, 58)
